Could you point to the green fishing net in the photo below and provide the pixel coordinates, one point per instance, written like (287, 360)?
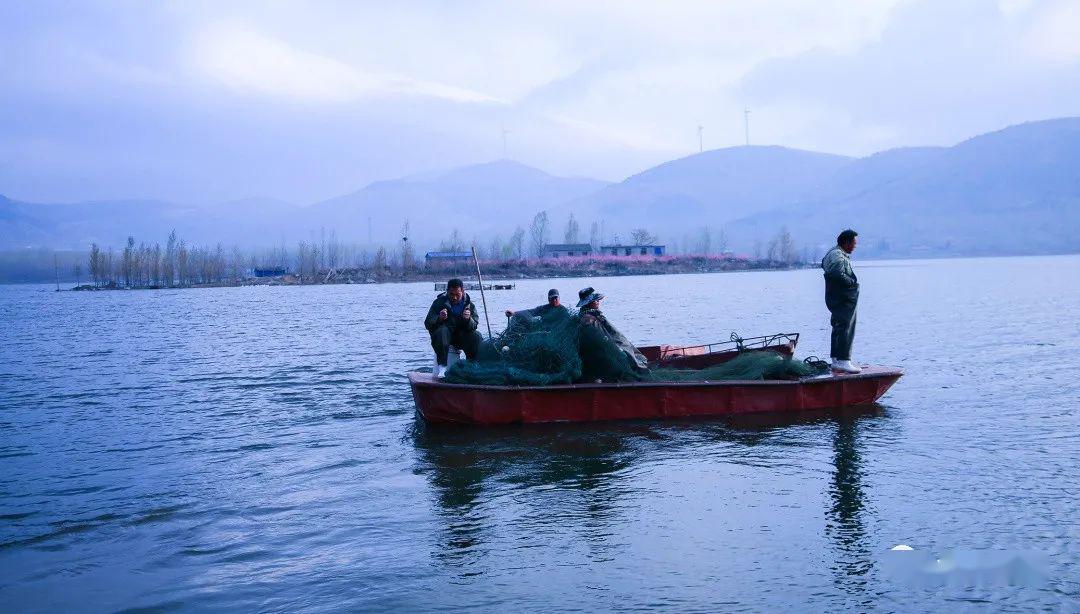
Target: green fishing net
(554, 349)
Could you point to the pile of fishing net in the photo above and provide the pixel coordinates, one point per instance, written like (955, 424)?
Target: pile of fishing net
(554, 349)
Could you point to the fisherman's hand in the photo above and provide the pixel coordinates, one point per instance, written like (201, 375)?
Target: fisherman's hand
(509, 313)
(467, 314)
(443, 315)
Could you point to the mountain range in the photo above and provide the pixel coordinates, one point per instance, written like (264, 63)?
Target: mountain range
(1014, 191)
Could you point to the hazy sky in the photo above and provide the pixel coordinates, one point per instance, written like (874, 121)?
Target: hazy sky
(211, 101)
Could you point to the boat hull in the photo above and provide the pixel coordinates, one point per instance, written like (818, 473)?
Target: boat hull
(442, 402)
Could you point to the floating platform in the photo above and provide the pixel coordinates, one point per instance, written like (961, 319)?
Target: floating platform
(441, 286)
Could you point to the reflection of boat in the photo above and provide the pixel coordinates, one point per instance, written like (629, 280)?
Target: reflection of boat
(439, 401)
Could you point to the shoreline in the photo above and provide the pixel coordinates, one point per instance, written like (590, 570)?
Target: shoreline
(493, 272)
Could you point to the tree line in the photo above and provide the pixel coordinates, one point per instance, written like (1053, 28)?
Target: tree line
(180, 263)
(706, 241)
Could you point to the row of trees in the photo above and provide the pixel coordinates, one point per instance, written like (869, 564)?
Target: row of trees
(525, 244)
(182, 264)
(179, 264)
(707, 241)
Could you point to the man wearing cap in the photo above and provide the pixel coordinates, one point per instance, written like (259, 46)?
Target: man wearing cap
(593, 322)
(452, 320)
(552, 304)
(842, 298)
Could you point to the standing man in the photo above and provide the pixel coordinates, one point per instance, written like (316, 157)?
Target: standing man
(452, 320)
(841, 297)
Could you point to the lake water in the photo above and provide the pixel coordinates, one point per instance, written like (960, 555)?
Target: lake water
(257, 449)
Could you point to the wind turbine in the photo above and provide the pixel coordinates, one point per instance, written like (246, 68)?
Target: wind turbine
(700, 142)
(746, 123)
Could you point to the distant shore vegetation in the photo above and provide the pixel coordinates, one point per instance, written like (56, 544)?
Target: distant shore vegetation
(327, 260)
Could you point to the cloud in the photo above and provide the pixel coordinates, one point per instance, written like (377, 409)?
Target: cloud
(1055, 34)
(939, 73)
(209, 100)
(248, 61)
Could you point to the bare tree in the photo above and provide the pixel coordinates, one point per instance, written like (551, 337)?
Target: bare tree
(321, 261)
(594, 237)
(379, 263)
(773, 254)
(96, 262)
(570, 235)
(333, 250)
(128, 261)
(786, 250)
(495, 249)
(704, 244)
(757, 249)
(641, 236)
(236, 264)
(538, 234)
(156, 269)
(218, 264)
(182, 272)
(110, 269)
(169, 266)
(306, 260)
(516, 246)
(454, 244)
(721, 241)
(408, 259)
(145, 255)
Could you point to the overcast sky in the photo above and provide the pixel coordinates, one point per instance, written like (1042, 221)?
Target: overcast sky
(210, 101)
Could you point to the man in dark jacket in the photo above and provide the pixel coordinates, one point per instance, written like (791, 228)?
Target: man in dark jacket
(452, 320)
(842, 298)
(596, 333)
(553, 304)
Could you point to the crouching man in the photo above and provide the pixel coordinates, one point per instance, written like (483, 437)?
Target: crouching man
(842, 299)
(452, 320)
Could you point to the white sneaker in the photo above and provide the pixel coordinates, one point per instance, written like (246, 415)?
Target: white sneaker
(440, 371)
(845, 366)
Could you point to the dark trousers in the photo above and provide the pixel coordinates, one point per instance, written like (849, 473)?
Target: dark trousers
(843, 333)
(443, 337)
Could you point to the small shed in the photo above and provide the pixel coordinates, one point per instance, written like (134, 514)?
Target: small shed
(562, 250)
(268, 271)
(633, 250)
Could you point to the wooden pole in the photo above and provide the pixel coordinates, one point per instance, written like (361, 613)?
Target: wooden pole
(483, 298)
(56, 267)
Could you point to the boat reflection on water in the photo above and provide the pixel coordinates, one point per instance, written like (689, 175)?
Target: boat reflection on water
(578, 461)
(515, 479)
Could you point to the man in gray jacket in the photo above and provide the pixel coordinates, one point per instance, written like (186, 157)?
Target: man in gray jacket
(842, 298)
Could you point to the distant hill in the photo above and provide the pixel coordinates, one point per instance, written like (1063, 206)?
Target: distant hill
(479, 200)
(76, 225)
(1016, 190)
(709, 188)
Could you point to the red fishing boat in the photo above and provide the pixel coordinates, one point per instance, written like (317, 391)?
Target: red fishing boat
(440, 401)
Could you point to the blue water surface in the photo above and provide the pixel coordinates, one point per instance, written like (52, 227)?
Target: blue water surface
(257, 449)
